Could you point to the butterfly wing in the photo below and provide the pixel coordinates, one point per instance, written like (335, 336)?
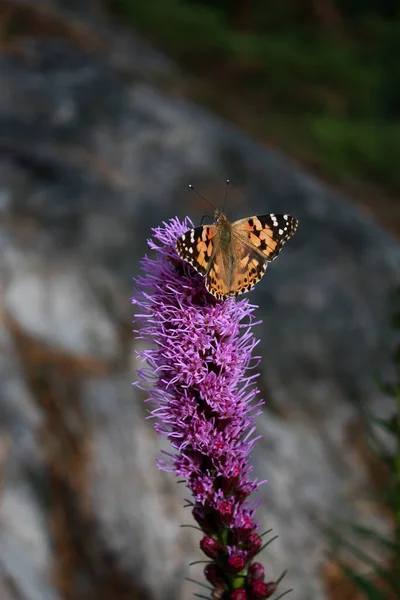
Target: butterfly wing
(256, 242)
(219, 277)
(250, 266)
(197, 246)
(266, 234)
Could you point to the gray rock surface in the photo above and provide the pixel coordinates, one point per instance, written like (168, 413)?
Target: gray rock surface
(93, 153)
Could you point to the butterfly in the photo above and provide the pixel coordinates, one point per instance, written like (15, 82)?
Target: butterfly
(234, 256)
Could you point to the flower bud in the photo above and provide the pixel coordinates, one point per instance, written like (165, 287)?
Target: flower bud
(203, 519)
(246, 528)
(254, 543)
(211, 548)
(261, 590)
(225, 510)
(271, 588)
(240, 496)
(239, 595)
(236, 563)
(256, 572)
(219, 593)
(213, 574)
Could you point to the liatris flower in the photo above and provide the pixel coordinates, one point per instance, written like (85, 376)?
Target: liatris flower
(201, 372)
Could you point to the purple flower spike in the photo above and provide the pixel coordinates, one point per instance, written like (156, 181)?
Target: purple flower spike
(201, 383)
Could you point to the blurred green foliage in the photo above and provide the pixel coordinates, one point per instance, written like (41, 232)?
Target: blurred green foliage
(321, 77)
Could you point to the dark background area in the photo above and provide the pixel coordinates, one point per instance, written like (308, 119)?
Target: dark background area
(319, 79)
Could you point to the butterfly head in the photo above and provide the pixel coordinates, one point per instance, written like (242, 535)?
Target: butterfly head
(220, 218)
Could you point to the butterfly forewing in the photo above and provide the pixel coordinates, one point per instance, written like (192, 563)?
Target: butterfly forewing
(266, 233)
(197, 245)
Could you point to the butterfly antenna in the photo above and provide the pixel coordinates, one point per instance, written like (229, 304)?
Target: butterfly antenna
(226, 194)
(205, 199)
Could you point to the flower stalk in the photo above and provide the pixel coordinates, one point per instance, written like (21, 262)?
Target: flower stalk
(200, 378)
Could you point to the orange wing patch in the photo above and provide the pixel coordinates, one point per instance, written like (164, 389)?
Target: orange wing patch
(266, 233)
(217, 279)
(204, 249)
(248, 268)
(196, 246)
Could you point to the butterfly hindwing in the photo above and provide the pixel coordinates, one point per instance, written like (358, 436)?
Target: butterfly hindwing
(250, 266)
(218, 278)
(266, 233)
(196, 246)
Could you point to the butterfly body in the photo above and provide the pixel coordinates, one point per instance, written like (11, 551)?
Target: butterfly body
(225, 229)
(234, 256)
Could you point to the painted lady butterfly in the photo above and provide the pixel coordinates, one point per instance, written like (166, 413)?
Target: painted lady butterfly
(234, 256)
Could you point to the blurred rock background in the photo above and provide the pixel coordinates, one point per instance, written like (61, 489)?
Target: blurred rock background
(107, 112)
